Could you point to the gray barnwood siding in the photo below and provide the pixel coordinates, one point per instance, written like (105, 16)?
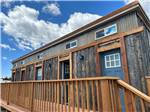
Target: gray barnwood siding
(18, 74)
(29, 72)
(138, 54)
(87, 66)
(124, 23)
(50, 69)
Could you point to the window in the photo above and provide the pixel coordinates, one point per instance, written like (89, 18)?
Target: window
(112, 60)
(22, 62)
(39, 73)
(15, 65)
(40, 56)
(106, 31)
(71, 44)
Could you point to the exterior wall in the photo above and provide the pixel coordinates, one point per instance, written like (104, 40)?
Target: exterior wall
(138, 56)
(18, 74)
(84, 63)
(29, 72)
(50, 69)
(125, 23)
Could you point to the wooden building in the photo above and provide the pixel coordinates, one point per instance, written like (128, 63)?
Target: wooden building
(116, 45)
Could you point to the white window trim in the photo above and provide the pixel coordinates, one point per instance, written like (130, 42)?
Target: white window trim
(105, 31)
(113, 60)
(70, 44)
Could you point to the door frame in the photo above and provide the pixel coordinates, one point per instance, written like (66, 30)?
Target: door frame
(23, 69)
(115, 44)
(64, 57)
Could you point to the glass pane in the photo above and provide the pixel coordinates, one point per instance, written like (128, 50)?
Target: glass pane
(68, 46)
(73, 44)
(112, 63)
(112, 57)
(107, 58)
(116, 56)
(107, 64)
(118, 63)
(111, 30)
(100, 34)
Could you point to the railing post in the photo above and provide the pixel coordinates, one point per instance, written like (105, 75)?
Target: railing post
(8, 94)
(32, 96)
(105, 96)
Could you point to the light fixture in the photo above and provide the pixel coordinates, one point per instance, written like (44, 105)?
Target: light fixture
(81, 57)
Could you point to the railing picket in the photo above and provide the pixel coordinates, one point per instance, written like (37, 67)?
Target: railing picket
(142, 105)
(72, 99)
(98, 95)
(93, 97)
(87, 96)
(69, 95)
(52, 103)
(82, 96)
(65, 96)
(58, 94)
(133, 102)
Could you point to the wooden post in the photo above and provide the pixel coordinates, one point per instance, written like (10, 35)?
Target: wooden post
(106, 101)
(128, 101)
(32, 96)
(8, 94)
(98, 72)
(70, 64)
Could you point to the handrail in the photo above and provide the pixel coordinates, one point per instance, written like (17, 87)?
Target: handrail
(147, 77)
(68, 80)
(134, 90)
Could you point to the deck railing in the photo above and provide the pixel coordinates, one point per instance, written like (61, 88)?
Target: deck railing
(86, 94)
(148, 84)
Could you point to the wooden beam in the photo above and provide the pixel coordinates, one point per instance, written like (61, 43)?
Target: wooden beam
(110, 46)
(58, 65)
(71, 65)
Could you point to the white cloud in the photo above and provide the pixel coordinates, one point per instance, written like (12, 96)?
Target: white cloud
(4, 58)
(52, 8)
(29, 32)
(145, 4)
(5, 46)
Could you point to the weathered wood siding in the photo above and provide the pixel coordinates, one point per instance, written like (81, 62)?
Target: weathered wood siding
(124, 23)
(51, 69)
(138, 56)
(29, 72)
(18, 74)
(84, 63)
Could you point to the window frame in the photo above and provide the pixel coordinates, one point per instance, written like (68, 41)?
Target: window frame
(23, 62)
(105, 31)
(71, 43)
(114, 60)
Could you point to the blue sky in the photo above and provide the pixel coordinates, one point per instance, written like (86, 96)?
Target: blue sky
(26, 26)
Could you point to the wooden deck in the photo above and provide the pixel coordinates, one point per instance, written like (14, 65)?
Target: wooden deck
(72, 95)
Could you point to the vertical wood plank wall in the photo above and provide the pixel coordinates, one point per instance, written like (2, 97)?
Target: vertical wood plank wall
(84, 63)
(50, 68)
(29, 72)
